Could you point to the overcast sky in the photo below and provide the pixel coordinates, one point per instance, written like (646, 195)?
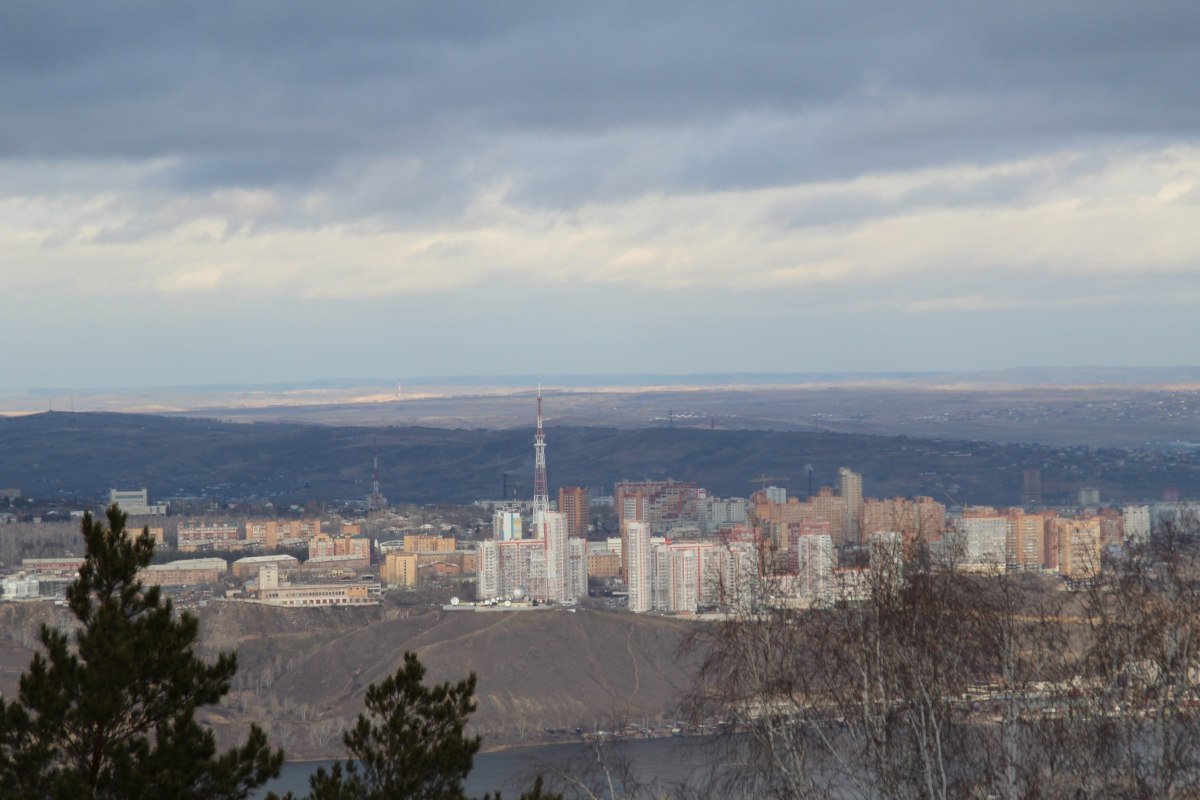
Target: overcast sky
(267, 191)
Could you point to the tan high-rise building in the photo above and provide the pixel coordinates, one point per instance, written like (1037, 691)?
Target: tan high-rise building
(574, 501)
(1078, 547)
(825, 505)
(661, 504)
(1025, 545)
(850, 488)
(921, 518)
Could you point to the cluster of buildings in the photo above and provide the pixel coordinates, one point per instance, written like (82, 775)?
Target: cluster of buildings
(548, 565)
(1071, 545)
(680, 549)
(422, 557)
(825, 546)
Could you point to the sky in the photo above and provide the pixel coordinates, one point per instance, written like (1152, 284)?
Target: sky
(267, 191)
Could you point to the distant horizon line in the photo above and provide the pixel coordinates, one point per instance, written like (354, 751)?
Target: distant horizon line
(637, 379)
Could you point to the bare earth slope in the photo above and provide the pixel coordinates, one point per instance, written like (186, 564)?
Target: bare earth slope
(303, 672)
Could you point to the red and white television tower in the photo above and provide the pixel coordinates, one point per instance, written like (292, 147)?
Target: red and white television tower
(375, 500)
(541, 487)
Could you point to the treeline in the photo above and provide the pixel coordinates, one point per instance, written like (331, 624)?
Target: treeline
(20, 540)
(945, 684)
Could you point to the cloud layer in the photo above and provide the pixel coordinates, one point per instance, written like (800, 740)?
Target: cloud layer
(932, 159)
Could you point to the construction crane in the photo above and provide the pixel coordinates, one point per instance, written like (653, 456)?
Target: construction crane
(764, 479)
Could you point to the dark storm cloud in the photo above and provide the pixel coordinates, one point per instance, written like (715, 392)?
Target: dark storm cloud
(576, 101)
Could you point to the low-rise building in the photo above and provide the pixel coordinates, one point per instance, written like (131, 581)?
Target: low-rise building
(22, 586)
(68, 565)
(186, 572)
(602, 561)
(193, 535)
(420, 543)
(247, 568)
(323, 544)
(340, 565)
(273, 533)
(274, 592)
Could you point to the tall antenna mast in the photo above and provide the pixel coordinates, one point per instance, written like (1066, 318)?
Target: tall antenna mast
(541, 487)
(375, 472)
(375, 500)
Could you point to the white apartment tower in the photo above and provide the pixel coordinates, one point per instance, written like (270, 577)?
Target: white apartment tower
(578, 567)
(550, 566)
(638, 566)
(1137, 524)
(984, 539)
(814, 565)
(553, 533)
(489, 571)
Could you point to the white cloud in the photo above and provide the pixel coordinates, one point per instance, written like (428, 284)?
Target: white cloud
(952, 237)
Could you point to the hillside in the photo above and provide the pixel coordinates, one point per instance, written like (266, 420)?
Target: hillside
(83, 455)
(303, 673)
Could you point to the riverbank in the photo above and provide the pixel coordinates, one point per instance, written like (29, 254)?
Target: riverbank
(664, 762)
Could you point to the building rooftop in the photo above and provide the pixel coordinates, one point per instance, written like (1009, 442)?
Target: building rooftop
(266, 559)
(192, 563)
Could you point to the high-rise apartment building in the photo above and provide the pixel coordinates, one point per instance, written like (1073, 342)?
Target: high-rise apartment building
(553, 534)
(662, 504)
(1024, 546)
(575, 502)
(814, 560)
(577, 567)
(488, 578)
(920, 518)
(1136, 525)
(825, 505)
(638, 567)
(776, 494)
(983, 536)
(1078, 547)
(685, 575)
(713, 512)
(850, 488)
(506, 525)
(741, 575)
(549, 566)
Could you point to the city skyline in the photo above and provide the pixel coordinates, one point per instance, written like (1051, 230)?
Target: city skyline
(235, 194)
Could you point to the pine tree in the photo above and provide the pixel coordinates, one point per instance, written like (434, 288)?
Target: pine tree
(109, 712)
(409, 744)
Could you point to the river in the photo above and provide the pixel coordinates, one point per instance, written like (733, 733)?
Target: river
(667, 761)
